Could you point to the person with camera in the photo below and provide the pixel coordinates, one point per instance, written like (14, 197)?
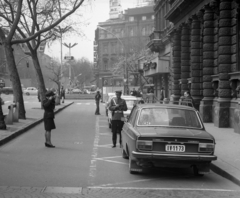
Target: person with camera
(48, 117)
(117, 106)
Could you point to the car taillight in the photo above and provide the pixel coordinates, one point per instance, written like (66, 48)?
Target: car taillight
(144, 145)
(206, 147)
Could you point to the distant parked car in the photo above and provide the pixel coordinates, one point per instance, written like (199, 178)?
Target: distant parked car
(86, 91)
(30, 91)
(76, 91)
(6, 90)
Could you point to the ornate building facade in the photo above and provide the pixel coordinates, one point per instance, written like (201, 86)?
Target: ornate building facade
(205, 56)
(119, 38)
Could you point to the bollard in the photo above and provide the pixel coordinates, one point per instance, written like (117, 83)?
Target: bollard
(16, 112)
(9, 117)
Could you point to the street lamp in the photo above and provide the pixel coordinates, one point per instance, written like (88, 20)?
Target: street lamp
(125, 56)
(69, 46)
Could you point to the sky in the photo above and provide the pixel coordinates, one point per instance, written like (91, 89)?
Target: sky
(97, 12)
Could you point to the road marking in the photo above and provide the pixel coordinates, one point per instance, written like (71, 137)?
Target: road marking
(109, 157)
(64, 190)
(93, 165)
(105, 134)
(78, 103)
(106, 145)
(120, 183)
(103, 126)
(116, 162)
(170, 189)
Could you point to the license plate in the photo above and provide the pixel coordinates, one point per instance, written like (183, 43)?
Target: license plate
(175, 148)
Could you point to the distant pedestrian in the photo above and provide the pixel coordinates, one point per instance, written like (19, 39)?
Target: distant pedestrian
(117, 106)
(97, 99)
(133, 92)
(62, 94)
(188, 100)
(162, 94)
(48, 118)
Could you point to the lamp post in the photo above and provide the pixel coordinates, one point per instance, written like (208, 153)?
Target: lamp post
(125, 57)
(69, 46)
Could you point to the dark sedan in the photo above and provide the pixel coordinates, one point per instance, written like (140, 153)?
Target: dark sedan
(164, 135)
(6, 90)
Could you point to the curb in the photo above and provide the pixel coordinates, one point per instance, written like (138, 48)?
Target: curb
(27, 127)
(224, 174)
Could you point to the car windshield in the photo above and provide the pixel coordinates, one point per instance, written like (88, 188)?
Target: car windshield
(169, 117)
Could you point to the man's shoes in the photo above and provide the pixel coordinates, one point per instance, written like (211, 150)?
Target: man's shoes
(49, 145)
(113, 146)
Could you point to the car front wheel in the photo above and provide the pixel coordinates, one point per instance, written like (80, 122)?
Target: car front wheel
(27, 94)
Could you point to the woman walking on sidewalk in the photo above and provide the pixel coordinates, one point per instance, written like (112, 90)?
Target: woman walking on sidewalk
(48, 118)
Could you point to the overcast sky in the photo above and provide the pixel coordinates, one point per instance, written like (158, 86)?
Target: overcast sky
(98, 12)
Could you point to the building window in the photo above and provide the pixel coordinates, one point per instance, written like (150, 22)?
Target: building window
(144, 18)
(143, 31)
(153, 17)
(131, 31)
(105, 49)
(113, 48)
(131, 18)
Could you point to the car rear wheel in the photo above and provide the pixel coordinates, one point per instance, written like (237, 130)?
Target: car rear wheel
(27, 94)
(196, 172)
(133, 167)
(124, 154)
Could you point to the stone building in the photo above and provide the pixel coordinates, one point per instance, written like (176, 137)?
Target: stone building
(205, 56)
(119, 38)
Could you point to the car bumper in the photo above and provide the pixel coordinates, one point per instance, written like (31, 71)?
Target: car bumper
(173, 157)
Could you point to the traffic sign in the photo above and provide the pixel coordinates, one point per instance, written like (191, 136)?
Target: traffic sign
(68, 57)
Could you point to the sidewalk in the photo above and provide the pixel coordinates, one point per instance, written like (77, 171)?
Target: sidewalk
(228, 152)
(34, 116)
(227, 148)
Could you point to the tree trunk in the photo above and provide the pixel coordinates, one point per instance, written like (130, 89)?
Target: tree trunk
(40, 79)
(14, 77)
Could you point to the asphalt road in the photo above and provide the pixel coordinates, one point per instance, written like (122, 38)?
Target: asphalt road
(83, 157)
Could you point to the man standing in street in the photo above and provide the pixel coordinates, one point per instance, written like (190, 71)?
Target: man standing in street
(97, 99)
(117, 106)
(62, 94)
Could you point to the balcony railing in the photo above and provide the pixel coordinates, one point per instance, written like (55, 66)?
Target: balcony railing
(155, 44)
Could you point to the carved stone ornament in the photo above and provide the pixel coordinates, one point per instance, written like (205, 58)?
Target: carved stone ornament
(200, 14)
(214, 5)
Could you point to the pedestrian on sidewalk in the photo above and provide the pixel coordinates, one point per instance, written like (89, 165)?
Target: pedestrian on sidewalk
(117, 106)
(48, 118)
(97, 99)
(62, 94)
(187, 100)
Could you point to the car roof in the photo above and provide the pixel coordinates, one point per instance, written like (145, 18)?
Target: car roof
(176, 106)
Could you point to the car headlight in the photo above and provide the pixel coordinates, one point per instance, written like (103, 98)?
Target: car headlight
(206, 147)
(144, 145)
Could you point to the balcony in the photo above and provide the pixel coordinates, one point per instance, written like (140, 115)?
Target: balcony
(155, 44)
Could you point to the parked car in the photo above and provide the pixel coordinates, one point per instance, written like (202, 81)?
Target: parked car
(86, 91)
(30, 91)
(130, 101)
(6, 90)
(76, 91)
(164, 135)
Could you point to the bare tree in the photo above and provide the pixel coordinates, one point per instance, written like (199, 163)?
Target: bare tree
(15, 14)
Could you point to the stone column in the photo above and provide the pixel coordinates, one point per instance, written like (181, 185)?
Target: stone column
(208, 64)
(196, 61)
(185, 58)
(221, 118)
(176, 67)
